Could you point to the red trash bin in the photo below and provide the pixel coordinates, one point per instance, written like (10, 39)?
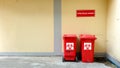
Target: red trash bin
(70, 41)
(87, 47)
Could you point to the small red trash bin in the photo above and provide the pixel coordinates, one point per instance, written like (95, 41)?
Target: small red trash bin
(70, 41)
(87, 47)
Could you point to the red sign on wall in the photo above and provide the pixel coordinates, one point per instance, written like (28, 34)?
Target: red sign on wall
(85, 13)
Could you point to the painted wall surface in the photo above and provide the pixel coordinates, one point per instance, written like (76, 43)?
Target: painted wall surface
(26, 26)
(113, 29)
(86, 25)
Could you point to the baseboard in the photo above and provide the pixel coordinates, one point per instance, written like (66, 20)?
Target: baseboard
(42, 54)
(30, 54)
(113, 60)
(96, 54)
(99, 54)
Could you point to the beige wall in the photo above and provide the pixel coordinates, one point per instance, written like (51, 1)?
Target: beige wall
(113, 29)
(26, 26)
(89, 25)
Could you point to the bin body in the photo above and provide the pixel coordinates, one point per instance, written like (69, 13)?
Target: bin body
(70, 41)
(87, 47)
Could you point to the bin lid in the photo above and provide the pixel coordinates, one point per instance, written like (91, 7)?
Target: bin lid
(87, 36)
(69, 35)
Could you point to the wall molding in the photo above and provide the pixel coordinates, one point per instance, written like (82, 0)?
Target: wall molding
(41, 54)
(113, 60)
(100, 54)
(30, 54)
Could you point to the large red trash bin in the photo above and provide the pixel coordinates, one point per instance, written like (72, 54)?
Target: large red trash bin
(87, 47)
(70, 41)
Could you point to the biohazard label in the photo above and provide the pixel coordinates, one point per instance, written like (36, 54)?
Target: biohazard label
(69, 46)
(87, 46)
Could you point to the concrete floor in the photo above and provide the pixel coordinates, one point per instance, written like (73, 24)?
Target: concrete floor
(48, 62)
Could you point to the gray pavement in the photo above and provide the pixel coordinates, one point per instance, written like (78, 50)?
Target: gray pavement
(48, 62)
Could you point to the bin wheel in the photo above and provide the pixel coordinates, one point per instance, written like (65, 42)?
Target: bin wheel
(76, 59)
(63, 59)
